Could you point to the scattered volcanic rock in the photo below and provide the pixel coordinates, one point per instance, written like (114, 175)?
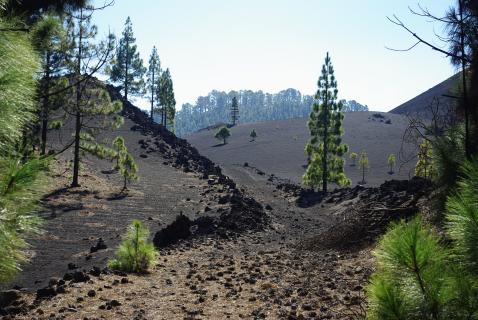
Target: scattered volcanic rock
(101, 245)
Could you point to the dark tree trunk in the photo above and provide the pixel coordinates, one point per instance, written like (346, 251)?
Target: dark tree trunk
(326, 135)
(76, 158)
(152, 97)
(46, 105)
(465, 89)
(126, 84)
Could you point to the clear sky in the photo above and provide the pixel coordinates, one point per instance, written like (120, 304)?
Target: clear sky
(272, 45)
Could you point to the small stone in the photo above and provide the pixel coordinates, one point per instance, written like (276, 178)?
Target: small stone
(91, 293)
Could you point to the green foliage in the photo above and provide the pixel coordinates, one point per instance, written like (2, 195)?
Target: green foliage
(153, 80)
(128, 168)
(462, 217)
(167, 106)
(20, 174)
(234, 111)
(253, 135)
(353, 156)
(325, 148)
(124, 161)
(363, 164)
(20, 189)
(425, 167)
(135, 254)
(49, 38)
(417, 276)
(448, 157)
(256, 106)
(223, 134)
(127, 68)
(90, 106)
(392, 159)
(18, 65)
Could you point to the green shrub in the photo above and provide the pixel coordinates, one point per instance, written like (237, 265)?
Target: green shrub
(417, 276)
(136, 253)
(21, 185)
(392, 159)
(223, 134)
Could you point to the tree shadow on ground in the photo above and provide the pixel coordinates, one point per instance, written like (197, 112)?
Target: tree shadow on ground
(219, 145)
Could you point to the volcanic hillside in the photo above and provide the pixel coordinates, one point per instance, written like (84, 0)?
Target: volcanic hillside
(279, 147)
(420, 104)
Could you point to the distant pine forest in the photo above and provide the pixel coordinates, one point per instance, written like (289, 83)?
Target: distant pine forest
(254, 106)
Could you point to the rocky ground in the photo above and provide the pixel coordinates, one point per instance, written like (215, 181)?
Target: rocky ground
(257, 247)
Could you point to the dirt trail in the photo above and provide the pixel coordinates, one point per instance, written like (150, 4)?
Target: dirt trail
(251, 275)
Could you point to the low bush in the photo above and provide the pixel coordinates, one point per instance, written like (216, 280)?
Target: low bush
(136, 253)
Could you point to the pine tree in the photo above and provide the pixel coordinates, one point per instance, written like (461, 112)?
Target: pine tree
(424, 167)
(253, 135)
(353, 156)
(325, 148)
(153, 79)
(421, 275)
(20, 177)
(223, 134)
(363, 165)
(391, 162)
(49, 39)
(91, 105)
(167, 100)
(119, 148)
(135, 254)
(234, 111)
(128, 168)
(127, 68)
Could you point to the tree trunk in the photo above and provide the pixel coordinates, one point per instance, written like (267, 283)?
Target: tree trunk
(76, 158)
(152, 96)
(326, 135)
(46, 104)
(126, 84)
(363, 174)
(465, 89)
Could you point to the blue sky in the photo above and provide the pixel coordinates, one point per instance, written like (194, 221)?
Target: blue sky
(278, 44)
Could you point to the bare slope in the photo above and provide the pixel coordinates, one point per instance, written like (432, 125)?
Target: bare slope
(279, 148)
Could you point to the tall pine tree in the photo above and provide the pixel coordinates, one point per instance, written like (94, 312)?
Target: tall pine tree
(153, 77)
(167, 100)
(325, 148)
(234, 111)
(91, 105)
(127, 68)
(49, 39)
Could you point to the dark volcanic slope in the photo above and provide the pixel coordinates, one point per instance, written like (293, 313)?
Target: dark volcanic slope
(279, 148)
(419, 104)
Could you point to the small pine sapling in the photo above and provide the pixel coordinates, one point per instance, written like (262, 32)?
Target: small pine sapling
(136, 253)
(120, 148)
(253, 135)
(223, 134)
(425, 167)
(363, 165)
(353, 157)
(128, 168)
(392, 159)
